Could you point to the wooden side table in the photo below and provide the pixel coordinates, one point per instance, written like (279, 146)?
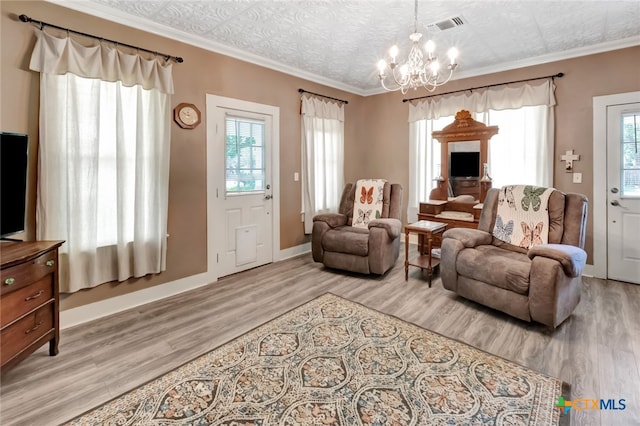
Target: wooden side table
(427, 229)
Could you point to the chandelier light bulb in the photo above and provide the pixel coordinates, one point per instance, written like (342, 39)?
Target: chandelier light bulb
(382, 65)
(435, 67)
(393, 52)
(430, 47)
(453, 55)
(404, 71)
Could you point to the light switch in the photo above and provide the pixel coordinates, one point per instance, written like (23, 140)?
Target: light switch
(296, 176)
(577, 178)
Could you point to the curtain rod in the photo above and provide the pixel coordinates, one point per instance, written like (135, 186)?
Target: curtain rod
(26, 19)
(323, 96)
(560, 74)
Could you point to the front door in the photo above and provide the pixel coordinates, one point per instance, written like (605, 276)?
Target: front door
(244, 203)
(623, 192)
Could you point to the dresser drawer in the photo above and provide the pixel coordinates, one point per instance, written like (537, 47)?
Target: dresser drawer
(26, 273)
(25, 299)
(19, 335)
(470, 183)
(467, 191)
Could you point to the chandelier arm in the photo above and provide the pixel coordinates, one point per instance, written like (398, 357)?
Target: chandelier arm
(424, 79)
(400, 82)
(384, 86)
(440, 83)
(430, 88)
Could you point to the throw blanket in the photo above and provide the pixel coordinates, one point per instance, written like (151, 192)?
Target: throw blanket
(522, 218)
(368, 202)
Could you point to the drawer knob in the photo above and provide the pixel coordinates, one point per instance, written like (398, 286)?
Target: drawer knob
(9, 281)
(50, 262)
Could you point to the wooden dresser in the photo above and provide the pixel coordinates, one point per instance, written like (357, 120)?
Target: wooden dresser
(29, 303)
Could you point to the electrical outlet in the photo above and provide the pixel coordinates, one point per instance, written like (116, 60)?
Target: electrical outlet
(577, 178)
(296, 176)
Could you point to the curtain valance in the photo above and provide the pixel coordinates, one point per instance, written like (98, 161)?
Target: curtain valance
(314, 107)
(495, 98)
(53, 55)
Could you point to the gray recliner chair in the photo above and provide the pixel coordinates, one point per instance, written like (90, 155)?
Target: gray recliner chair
(541, 284)
(373, 250)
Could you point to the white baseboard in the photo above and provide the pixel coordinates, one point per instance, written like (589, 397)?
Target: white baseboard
(588, 270)
(81, 314)
(293, 252)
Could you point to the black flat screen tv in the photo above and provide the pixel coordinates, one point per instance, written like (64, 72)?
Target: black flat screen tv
(14, 148)
(465, 164)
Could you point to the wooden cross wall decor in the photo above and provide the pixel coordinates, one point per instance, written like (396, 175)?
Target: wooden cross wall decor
(569, 157)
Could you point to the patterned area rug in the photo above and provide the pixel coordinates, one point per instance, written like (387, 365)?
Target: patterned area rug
(335, 362)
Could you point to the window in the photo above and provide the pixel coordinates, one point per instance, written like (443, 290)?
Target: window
(630, 155)
(115, 163)
(424, 157)
(521, 152)
(103, 177)
(244, 155)
(518, 154)
(322, 158)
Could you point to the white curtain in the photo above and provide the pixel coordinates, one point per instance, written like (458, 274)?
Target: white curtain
(494, 98)
(422, 170)
(103, 160)
(322, 157)
(521, 152)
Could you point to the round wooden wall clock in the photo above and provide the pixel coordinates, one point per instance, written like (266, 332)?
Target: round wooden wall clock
(186, 115)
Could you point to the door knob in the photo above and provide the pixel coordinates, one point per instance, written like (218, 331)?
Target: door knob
(267, 197)
(615, 203)
(614, 190)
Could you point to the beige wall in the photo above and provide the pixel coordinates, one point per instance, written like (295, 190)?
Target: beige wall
(376, 129)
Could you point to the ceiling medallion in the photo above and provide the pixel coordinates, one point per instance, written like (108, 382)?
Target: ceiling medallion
(420, 69)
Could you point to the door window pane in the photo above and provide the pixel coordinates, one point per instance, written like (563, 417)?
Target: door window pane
(630, 153)
(244, 155)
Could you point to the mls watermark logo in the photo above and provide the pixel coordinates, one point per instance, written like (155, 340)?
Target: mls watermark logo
(590, 404)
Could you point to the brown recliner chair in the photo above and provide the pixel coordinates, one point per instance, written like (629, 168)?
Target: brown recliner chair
(375, 249)
(542, 284)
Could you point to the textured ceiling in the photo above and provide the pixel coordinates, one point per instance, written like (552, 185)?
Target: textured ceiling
(338, 42)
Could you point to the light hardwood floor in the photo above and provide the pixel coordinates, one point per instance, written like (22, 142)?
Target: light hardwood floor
(597, 350)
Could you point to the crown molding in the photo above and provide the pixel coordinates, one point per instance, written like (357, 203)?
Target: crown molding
(114, 15)
(553, 57)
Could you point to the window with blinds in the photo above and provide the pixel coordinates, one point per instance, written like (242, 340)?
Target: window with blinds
(244, 155)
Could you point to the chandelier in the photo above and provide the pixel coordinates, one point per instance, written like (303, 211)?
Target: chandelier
(419, 69)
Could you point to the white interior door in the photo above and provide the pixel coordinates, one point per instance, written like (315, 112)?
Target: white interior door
(623, 192)
(244, 192)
